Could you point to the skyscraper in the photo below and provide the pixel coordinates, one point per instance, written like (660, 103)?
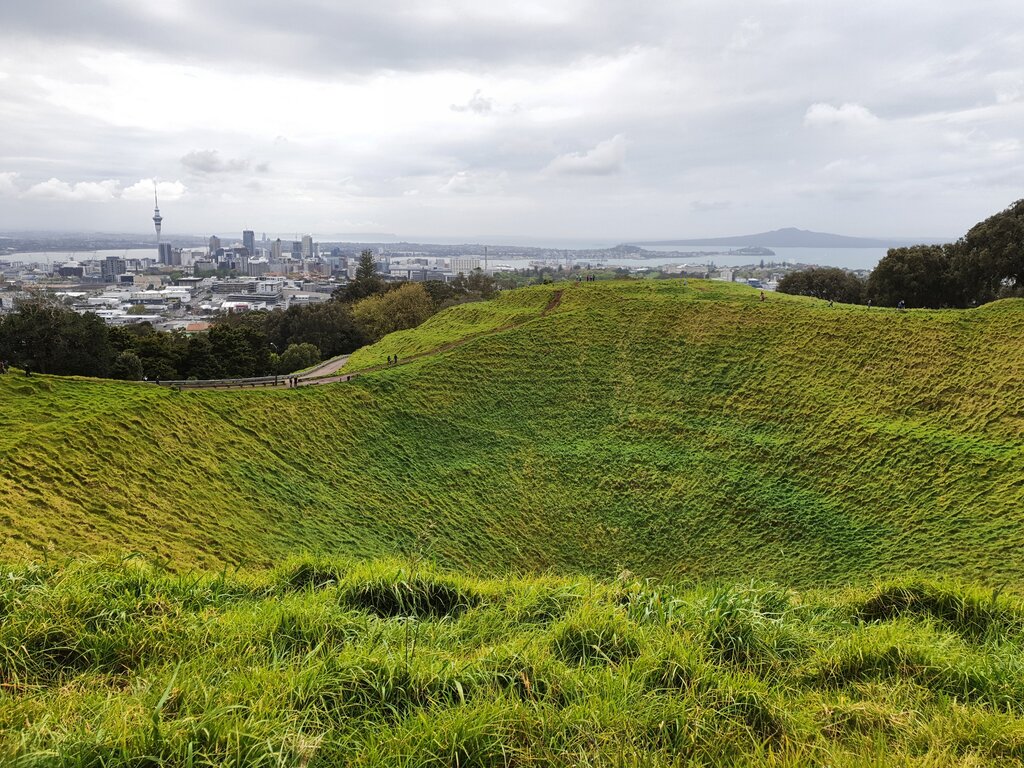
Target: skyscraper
(249, 241)
(307, 246)
(214, 244)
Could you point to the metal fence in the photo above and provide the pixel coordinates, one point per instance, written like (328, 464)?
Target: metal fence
(255, 381)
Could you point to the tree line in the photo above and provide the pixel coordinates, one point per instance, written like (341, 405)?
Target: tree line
(985, 264)
(45, 336)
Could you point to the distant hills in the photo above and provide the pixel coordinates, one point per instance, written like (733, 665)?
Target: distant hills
(791, 237)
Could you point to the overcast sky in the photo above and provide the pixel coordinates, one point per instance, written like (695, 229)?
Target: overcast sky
(580, 119)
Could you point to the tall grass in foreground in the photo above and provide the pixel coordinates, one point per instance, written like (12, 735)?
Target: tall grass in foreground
(324, 662)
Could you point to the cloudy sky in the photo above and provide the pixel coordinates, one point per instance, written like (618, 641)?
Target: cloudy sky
(577, 119)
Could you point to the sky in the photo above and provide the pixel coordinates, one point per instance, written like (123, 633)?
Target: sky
(577, 119)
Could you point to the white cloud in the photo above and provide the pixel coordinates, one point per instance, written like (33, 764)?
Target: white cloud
(83, 191)
(469, 183)
(605, 159)
(846, 114)
(209, 161)
(169, 191)
(8, 184)
(477, 104)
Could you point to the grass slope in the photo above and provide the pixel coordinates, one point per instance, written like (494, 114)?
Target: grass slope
(685, 430)
(324, 663)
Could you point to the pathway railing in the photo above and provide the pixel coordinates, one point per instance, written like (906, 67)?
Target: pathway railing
(252, 381)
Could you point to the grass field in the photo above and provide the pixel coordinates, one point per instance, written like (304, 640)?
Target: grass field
(681, 431)
(636, 523)
(326, 662)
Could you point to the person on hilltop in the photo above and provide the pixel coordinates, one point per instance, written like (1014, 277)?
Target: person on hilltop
(762, 295)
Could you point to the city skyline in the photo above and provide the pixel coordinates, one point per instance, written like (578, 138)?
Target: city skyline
(590, 121)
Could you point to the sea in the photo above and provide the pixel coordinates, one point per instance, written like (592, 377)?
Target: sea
(846, 258)
(62, 257)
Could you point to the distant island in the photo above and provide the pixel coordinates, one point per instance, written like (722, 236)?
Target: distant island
(790, 237)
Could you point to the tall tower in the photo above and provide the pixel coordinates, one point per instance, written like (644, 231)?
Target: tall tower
(157, 218)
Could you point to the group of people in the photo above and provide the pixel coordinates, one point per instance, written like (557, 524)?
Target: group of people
(293, 381)
(587, 278)
(392, 360)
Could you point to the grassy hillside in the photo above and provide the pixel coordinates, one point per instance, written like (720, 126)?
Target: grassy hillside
(677, 430)
(326, 663)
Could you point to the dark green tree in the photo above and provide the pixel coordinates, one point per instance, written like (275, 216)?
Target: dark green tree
(825, 283)
(47, 337)
(296, 358)
(989, 259)
(366, 283)
(329, 326)
(127, 366)
(920, 275)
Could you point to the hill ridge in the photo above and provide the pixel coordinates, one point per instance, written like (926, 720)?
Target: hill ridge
(677, 430)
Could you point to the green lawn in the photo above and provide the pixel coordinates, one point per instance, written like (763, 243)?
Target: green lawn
(680, 431)
(328, 662)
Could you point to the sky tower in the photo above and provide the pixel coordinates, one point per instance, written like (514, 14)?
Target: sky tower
(157, 218)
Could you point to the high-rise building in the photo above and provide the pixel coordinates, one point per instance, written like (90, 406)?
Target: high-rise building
(275, 250)
(165, 254)
(464, 265)
(249, 241)
(214, 244)
(307, 246)
(111, 268)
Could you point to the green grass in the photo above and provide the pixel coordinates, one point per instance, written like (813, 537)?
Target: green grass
(813, 513)
(118, 663)
(681, 431)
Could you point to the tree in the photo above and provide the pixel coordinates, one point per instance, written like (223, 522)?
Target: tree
(406, 307)
(989, 259)
(297, 357)
(127, 366)
(920, 275)
(200, 361)
(366, 283)
(242, 349)
(328, 325)
(825, 283)
(49, 338)
(161, 354)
